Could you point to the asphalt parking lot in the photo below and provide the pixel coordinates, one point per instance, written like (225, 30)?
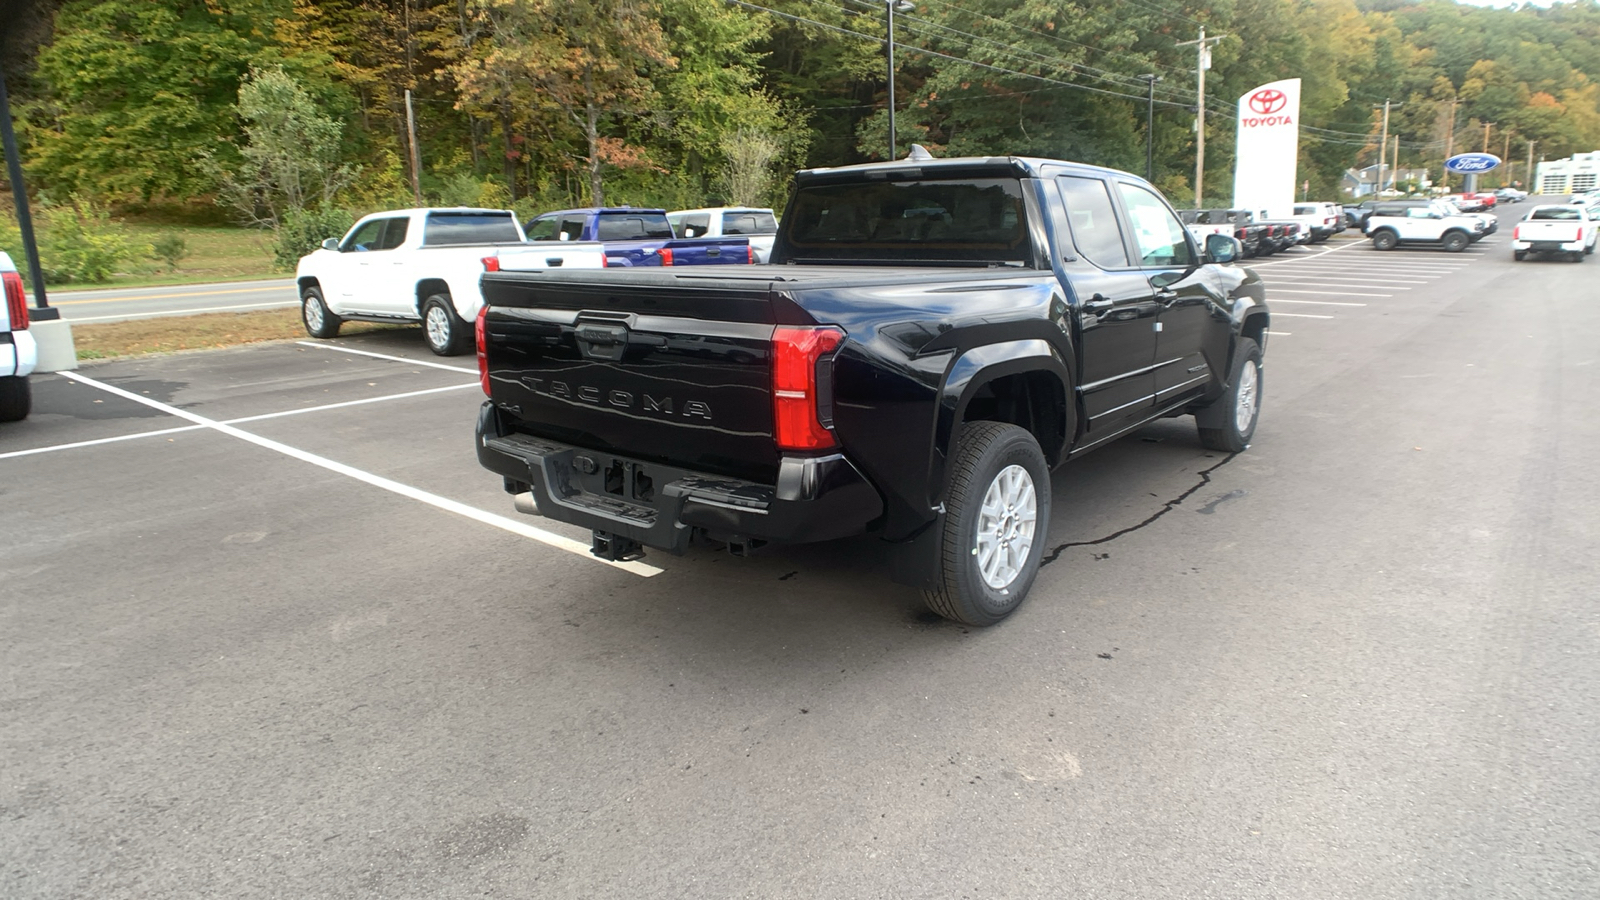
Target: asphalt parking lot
(270, 631)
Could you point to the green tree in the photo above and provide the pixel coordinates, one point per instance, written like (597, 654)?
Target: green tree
(137, 91)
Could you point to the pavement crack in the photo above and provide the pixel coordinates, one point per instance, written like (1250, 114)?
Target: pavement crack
(1205, 479)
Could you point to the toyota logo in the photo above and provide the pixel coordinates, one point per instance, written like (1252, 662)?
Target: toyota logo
(1267, 101)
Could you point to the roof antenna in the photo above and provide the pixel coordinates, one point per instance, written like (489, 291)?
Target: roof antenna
(919, 152)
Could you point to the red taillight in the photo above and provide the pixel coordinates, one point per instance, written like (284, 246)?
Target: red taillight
(1239, 233)
(666, 256)
(483, 348)
(802, 387)
(491, 263)
(750, 255)
(16, 300)
(1516, 233)
(605, 261)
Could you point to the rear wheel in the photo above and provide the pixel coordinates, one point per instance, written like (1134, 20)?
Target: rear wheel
(16, 398)
(1230, 421)
(1385, 240)
(1519, 255)
(447, 333)
(1455, 242)
(320, 322)
(996, 517)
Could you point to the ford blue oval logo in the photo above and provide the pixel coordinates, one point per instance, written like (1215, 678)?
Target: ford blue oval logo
(1470, 163)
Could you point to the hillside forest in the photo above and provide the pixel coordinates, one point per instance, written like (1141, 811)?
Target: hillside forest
(293, 114)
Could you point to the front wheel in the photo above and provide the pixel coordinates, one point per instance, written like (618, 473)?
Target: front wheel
(447, 333)
(320, 322)
(996, 517)
(1385, 240)
(1455, 242)
(1230, 421)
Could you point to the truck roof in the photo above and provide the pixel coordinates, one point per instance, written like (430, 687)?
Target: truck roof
(1019, 166)
(604, 209)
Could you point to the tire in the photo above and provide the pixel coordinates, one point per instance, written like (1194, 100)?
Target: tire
(994, 462)
(1589, 250)
(1579, 256)
(1519, 255)
(1385, 240)
(446, 333)
(320, 322)
(1230, 421)
(1455, 242)
(16, 398)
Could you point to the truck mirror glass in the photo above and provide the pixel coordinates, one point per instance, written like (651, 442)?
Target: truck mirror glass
(330, 244)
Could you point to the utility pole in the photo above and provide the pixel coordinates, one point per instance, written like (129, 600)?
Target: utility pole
(1383, 148)
(415, 154)
(1505, 157)
(1449, 144)
(1486, 127)
(891, 7)
(1150, 128)
(1531, 179)
(1202, 63)
(1396, 169)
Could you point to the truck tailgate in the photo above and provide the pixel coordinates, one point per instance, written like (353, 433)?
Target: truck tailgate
(648, 365)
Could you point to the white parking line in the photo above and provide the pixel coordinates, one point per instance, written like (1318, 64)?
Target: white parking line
(1281, 333)
(177, 312)
(1314, 255)
(1316, 302)
(1304, 281)
(414, 362)
(404, 490)
(276, 415)
(1335, 293)
(1279, 315)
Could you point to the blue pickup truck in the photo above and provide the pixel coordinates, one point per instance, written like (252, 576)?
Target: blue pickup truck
(637, 237)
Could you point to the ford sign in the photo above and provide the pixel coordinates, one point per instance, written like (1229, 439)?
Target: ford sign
(1471, 163)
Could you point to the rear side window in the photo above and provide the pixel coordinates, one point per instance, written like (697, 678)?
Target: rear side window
(972, 220)
(633, 226)
(447, 228)
(543, 229)
(698, 225)
(1095, 230)
(749, 223)
(571, 229)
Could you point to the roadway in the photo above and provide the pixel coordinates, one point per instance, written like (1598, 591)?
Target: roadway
(121, 304)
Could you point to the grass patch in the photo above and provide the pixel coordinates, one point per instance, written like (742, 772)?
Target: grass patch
(215, 253)
(170, 334)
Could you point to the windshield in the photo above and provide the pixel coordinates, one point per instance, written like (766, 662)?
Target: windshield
(978, 220)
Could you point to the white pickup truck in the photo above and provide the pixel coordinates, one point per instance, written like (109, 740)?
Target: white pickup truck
(421, 265)
(759, 225)
(1567, 230)
(18, 351)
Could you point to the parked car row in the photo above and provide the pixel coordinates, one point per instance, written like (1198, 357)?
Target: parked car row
(423, 265)
(1256, 235)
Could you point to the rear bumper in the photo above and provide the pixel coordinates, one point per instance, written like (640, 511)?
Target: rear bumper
(19, 353)
(1550, 246)
(814, 499)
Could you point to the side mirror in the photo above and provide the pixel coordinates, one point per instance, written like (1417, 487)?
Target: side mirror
(1222, 248)
(330, 244)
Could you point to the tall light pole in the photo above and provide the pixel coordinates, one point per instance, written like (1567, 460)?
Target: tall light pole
(1202, 63)
(1150, 128)
(890, 8)
(19, 193)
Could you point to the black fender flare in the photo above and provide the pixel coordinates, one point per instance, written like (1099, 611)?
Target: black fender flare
(970, 371)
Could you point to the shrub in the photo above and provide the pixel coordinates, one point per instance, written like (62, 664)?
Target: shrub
(170, 248)
(80, 242)
(303, 231)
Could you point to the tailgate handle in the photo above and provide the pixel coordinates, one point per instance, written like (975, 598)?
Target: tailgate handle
(603, 335)
(554, 260)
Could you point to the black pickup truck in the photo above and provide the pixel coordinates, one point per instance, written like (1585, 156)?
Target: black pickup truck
(930, 339)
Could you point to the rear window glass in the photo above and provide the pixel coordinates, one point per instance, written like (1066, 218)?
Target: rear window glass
(1565, 214)
(971, 220)
(446, 228)
(1095, 230)
(749, 223)
(632, 226)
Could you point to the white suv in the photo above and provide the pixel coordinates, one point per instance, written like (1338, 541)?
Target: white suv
(1392, 225)
(18, 352)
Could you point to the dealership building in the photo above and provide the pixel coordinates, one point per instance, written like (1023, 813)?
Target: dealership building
(1577, 175)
